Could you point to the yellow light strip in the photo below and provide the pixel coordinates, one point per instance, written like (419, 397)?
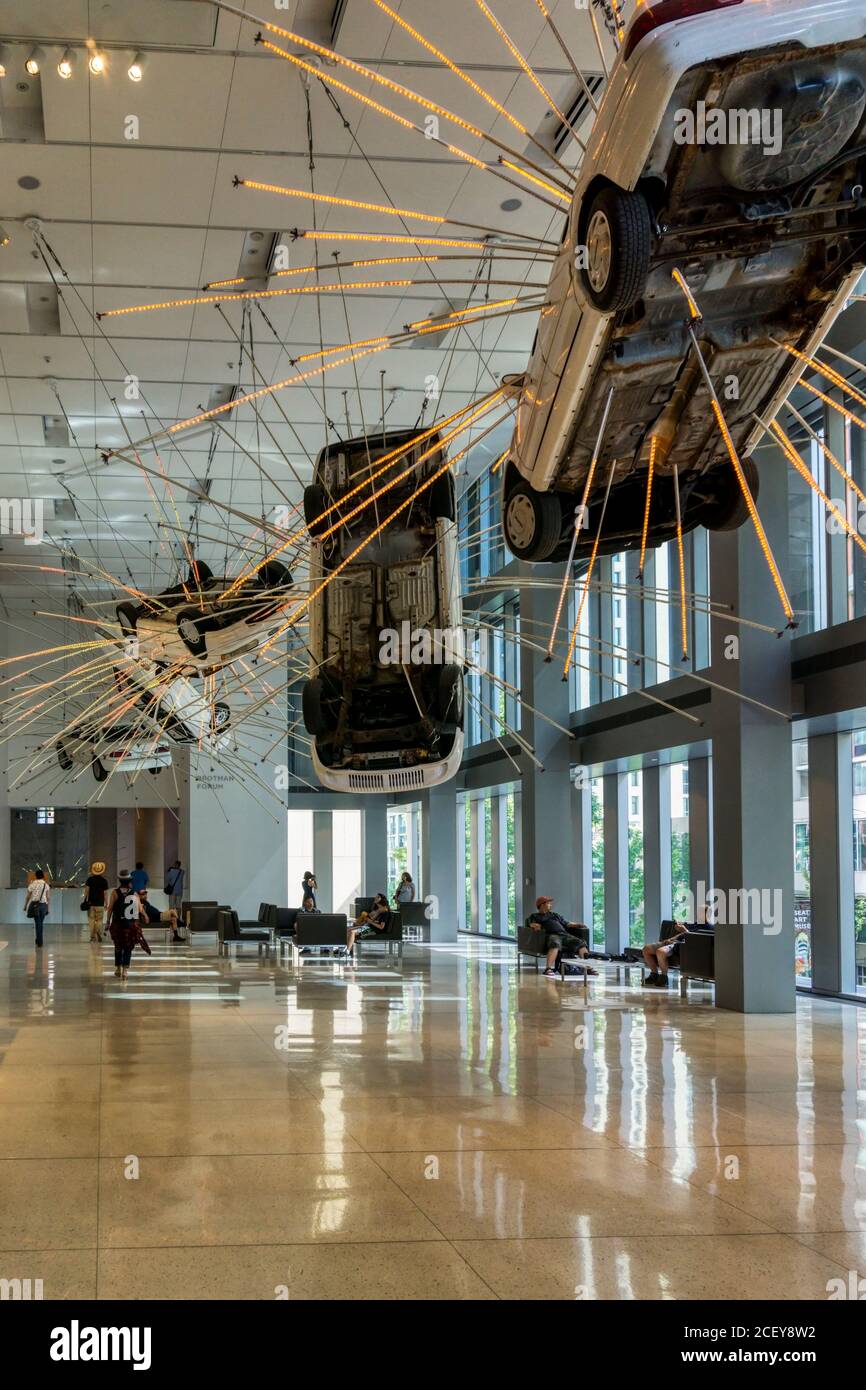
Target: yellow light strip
(829, 372)
(339, 202)
(834, 405)
(530, 73)
(525, 174)
(646, 512)
(682, 567)
(401, 240)
(577, 621)
(753, 512)
(383, 464)
(678, 276)
(221, 284)
(794, 458)
(494, 468)
(257, 294)
(831, 458)
(449, 319)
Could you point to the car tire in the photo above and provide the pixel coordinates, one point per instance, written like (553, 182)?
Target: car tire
(222, 715)
(154, 771)
(315, 502)
(189, 633)
(273, 575)
(532, 523)
(127, 616)
(449, 697)
(316, 717)
(442, 499)
(617, 233)
(729, 511)
(100, 771)
(63, 757)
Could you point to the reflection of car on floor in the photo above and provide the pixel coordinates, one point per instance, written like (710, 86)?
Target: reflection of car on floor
(768, 228)
(379, 725)
(207, 622)
(174, 706)
(123, 748)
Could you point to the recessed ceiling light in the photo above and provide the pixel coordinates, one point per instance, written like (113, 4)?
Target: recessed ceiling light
(96, 62)
(34, 60)
(28, 181)
(136, 68)
(66, 64)
(511, 204)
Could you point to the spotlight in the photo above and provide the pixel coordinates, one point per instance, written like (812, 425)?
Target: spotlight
(96, 62)
(5, 238)
(34, 61)
(4, 53)
(136, 68)
(66, 64)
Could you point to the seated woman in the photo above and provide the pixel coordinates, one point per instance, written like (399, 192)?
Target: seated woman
(369, 924)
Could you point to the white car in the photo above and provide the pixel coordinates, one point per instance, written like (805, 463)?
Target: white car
(207, 622)
(379, 722)
(768, 228)
(122, 748)
(174, 706)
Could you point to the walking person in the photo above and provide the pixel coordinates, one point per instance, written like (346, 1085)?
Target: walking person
(124, 911)
(174, 881)
(96, 899)
(36, 902)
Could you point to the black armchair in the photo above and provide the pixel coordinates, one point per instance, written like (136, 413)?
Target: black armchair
(232, 932)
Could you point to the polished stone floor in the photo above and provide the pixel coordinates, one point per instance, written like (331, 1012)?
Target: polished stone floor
(229, 1129)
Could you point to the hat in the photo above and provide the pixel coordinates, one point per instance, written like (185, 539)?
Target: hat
(539, 902)
(124, 876)
(97, 867)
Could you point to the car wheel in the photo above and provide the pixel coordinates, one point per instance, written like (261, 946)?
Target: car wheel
(188, 632)
(62, 756)
(618, 240)
(100, 771)
(317, 720)
(315, 503)
(273, 575)
(532, 522)
(442, 499)
(728, 511)
(221, 715)
(154, 771)
(449, 696)
(127, 616)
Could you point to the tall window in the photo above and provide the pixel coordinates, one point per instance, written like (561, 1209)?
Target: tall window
(597, 804)
(299, 828)
(346, 858)
(802, 886)
(491, 862)
(680, 868)
(404, 845)
(858, 770)
(636, 918)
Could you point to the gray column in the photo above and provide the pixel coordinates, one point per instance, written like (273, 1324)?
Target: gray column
(323, 859)
(375, 845)
(656, 801)
(581, 818)
(649, 636)
(836, 540)
(548, 859)
(700, 831)
(752, 784)
(831, 863)
(440, 869)
(615, 861)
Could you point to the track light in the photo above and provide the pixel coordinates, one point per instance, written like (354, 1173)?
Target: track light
(5, 238)
(4, 53)
(136, 68)
(96, 62)
(34, 60)
(66, 64)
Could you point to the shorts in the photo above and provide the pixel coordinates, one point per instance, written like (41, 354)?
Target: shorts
(568, 945)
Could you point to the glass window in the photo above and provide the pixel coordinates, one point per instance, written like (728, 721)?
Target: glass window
(680, 866)
(597, 801)
(346, 857)
(511, 859)
(859, 747)
(636, 923)
(44, 815)
(802, 888)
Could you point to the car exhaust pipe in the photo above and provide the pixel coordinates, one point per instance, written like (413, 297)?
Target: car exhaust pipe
(664, 429)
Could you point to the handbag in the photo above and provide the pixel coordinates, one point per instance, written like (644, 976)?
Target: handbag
(37, 902)
(85, 905)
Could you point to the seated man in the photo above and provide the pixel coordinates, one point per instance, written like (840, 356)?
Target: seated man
(661, 955)
(153, 914)
(560, 938)
(378, 919)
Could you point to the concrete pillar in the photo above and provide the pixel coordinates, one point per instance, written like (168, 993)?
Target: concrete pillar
(835, 539)
(831, 863)
(323, 859)
(548, 860)
(440, 862)
(752, 784)
(150, 843)
(102, 839)
(616, 913)
(375, 845)
(125, 839)
(700, 830)
(656, 801)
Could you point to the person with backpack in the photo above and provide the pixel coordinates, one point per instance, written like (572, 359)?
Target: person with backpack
(124, 912)
(36, 903)
(174, 881)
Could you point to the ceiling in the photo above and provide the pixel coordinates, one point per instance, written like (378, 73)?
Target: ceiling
(138, 221)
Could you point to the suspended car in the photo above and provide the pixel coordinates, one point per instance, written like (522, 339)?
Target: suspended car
(208, 621)
(175, 706)
(384, 700)
(730, 144)
(123, 748)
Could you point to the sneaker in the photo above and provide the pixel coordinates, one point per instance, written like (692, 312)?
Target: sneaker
(175, 937)
(117, 971)
(650, 981)
(552, 975)
(124, 972)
